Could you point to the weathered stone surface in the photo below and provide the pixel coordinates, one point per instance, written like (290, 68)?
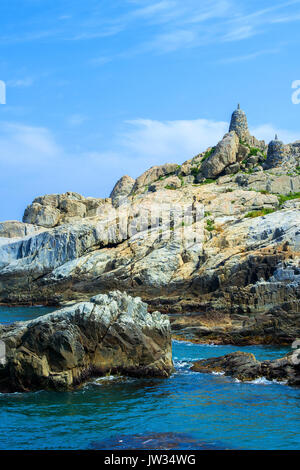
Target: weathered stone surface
(239, 124)
(45, 216)
(121, 190)
(16, 229)
(277, 153)
(153, 174)
(111, 333)
(224, 155)
(245, 367)
(265, 181)
(170, 182)
(56, 209)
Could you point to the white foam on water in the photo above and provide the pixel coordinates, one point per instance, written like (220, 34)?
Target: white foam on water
(108, 378)
(218, 373)
(262, 381)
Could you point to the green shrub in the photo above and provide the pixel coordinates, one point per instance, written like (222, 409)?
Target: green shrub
(208, 181)
(208, 154)
(259, 213)
(253, 151)
(210, 225)
(195, 171)
(181, 179)
(282, 199)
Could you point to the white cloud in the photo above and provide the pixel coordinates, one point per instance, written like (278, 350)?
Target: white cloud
(246, 57)
(175, 141)
(267, 132)
(166, 25)
(27, 145)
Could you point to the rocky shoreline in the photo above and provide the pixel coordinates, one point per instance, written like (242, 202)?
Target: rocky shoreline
(217, 237)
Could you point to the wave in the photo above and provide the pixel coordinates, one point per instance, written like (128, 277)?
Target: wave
(262, 381)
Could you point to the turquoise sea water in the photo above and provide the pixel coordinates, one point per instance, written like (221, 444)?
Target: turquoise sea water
(193, 407)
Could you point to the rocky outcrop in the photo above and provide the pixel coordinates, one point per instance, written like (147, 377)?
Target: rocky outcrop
(223, 156)
(276, 326)
(111, 333)
(56, 209)
(16, 229)
(245, 367)
(153, 174)
(121, 190)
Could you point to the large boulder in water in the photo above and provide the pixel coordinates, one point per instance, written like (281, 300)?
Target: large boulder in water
(112, 333)
(245, 367)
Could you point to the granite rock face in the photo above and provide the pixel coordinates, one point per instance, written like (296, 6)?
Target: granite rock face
(245, 367)
(111, 333)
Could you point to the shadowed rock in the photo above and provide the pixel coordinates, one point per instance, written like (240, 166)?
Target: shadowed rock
(245, 367)
(112, 333)
(156, 441)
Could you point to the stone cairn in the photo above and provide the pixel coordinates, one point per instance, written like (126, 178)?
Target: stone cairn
(239, 124)
(276, 153)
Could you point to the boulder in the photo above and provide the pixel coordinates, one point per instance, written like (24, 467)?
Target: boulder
(153, 174)
(121, 190)
(112, 333)
(52, 210)
(245, 367)
(171, 182)
(225, 154)
(45, 216)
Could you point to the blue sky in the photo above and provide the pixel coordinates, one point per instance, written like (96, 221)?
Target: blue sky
(101, 88)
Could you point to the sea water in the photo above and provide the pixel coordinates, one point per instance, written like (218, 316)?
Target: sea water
(189, 410)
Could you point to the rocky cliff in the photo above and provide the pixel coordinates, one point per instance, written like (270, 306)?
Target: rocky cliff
(218, 235)
(111, 333)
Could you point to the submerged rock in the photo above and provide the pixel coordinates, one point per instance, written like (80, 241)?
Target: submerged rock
(245, 367)
(156, 441)
(112, 333)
